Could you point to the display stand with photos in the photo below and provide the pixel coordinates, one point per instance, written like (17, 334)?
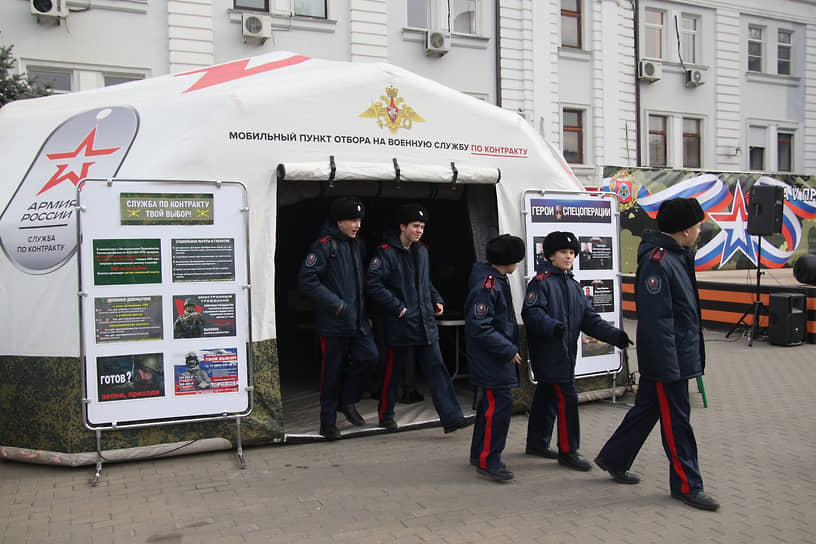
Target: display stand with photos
(594, 219)
(164, 303)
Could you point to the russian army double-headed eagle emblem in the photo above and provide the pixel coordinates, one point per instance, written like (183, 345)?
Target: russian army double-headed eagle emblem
(392, 113)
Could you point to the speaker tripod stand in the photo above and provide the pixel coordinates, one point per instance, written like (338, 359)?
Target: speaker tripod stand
(757, 306)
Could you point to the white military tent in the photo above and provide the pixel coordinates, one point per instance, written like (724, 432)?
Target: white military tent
(293, 130)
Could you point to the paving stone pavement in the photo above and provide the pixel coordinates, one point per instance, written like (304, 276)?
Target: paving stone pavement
(756, 441)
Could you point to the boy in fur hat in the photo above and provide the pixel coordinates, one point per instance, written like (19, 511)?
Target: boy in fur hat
(555, 312)
(670, 352)
(398, 281)
(333, 275)
(492, 343)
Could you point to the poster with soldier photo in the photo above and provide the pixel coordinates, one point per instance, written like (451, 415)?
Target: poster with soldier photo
(600, 293)
(592, 347)
(203, 315)
(538, 243)
(596, 253)
(126, 377)
(206, 371)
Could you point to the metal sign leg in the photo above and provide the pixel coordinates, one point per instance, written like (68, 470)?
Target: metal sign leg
(95, 477)
(240, 448)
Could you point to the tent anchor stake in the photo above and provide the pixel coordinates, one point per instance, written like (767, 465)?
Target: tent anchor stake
(95, 478)
(239, 449)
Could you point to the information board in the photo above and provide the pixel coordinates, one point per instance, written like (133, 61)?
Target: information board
(164, 301)
(594, 220)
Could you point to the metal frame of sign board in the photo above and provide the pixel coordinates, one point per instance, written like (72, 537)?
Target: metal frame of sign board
(615, 226)
(178, 396)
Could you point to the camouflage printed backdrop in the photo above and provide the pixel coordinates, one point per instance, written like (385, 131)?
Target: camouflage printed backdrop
(724, 242)
(40, 399)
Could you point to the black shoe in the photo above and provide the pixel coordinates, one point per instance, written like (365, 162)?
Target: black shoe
(411, 397)
(548, 453)
(353, 416)
(496, 474)
(475, 462)
(456, 425)
(330, 432)
(574, 460)
(701, 500)
(620, 476)
(389, 424)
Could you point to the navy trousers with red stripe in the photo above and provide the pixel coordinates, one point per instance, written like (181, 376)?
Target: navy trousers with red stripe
(436, 373)
(493, 410)
(667, 402)
(551, 402)
(347, 365)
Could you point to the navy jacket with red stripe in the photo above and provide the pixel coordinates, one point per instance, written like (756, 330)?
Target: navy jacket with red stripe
(554, 297)
(491, 331)
(669, 332)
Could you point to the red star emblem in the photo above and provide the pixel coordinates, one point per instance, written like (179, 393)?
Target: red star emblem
(61, 175)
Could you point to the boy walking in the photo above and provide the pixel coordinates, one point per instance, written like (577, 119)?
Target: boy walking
(555, 311)
(492, 339)
(333, 276)
(399, 282)
(670, 352)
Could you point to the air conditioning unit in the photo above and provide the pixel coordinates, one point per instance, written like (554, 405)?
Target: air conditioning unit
(254, 25)
(437, 42)
(650, 70)
(49, 8)
(694, 78)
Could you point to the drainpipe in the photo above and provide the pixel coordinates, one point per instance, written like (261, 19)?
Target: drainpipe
(636, 21)
(498, 54)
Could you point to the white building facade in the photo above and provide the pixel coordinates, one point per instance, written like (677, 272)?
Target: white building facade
(702, 85)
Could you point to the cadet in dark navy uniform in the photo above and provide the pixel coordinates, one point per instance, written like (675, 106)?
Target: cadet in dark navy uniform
(333, 275)
(492, 343)
(555, 312)
(398, 281)
(670, 352)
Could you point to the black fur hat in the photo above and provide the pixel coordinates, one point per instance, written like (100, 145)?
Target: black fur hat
(679, 214)
(408, 213)
(560, 240)
(505, 249)
(346, 207)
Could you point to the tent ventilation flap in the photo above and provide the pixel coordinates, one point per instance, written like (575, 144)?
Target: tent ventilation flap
(333, 171)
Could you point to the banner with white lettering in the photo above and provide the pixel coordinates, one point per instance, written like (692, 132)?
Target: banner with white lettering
(165, 315)
(594, 222)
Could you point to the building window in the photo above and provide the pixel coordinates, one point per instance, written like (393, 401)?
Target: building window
(417, 15)
(754, 49)
(784, 151)
(573, 124)
(691, 143)
(311, 8)
(689, 25)
(60, 81)
(571, 23)
(305, 8)
(654, 33)
(466, 16)
(756, 147)
(657, 140)
(254, 5)
(756, 158)
(784, 47)
(116, 79)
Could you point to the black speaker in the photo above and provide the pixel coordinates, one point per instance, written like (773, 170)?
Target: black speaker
(765, 208)
(805, 269)
(786, 319)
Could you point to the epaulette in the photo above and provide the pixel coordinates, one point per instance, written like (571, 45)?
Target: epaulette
(385, 246)
(425, 245)
(489, 282)
(325, 240)
(657, 255)
(544, 274)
